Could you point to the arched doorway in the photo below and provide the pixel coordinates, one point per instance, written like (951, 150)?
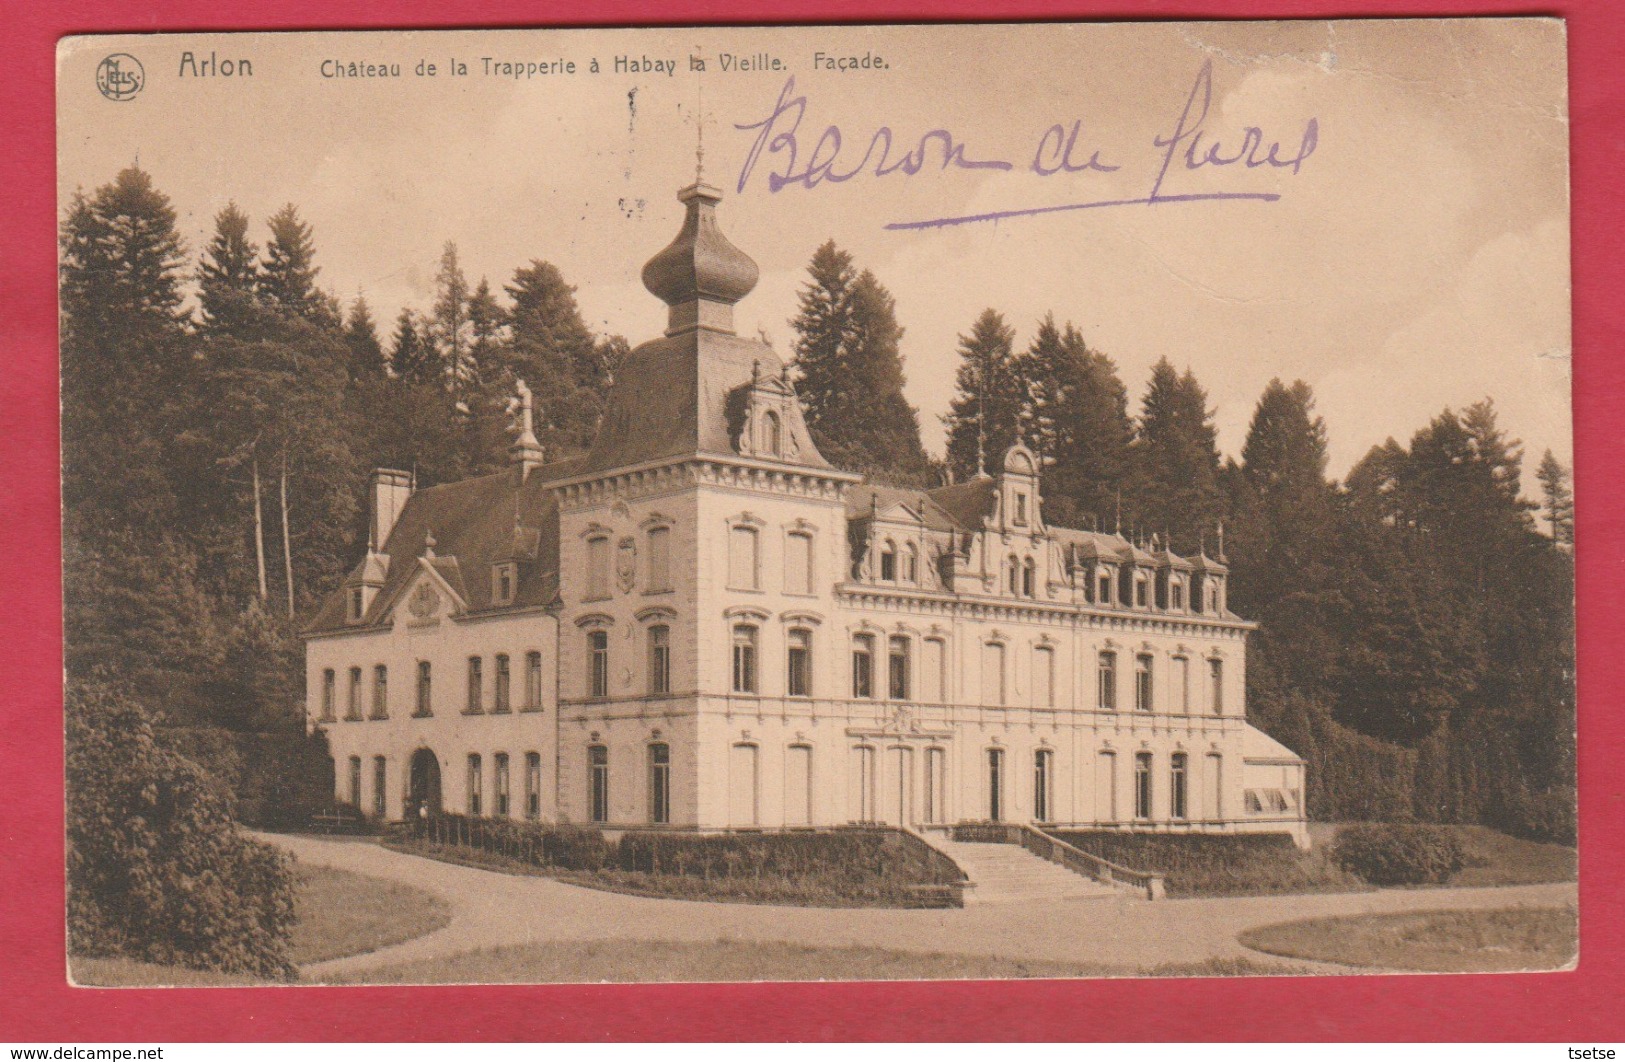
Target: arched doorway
(423, 786)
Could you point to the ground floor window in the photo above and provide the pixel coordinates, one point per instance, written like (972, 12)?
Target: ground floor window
(1043, 785)
(475, 777)
(1142, 785)
(533, 785)
(935, 785)
(380, 786)
(355, 782)
(501, 764)
(995, 784)
(660, 783)
(598, 783)
(1177, 801)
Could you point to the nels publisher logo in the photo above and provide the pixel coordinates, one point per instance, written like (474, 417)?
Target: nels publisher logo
(120, 76)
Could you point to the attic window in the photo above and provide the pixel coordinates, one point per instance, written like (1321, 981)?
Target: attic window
(771, 433)
(1021, 509)
(358, 604)
(503, 582)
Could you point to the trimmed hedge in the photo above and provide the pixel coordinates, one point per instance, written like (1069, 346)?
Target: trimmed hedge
(841, 867)
(1215, 864)
(1399, 854)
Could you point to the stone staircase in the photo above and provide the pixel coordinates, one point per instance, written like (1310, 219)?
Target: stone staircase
(1008, 873)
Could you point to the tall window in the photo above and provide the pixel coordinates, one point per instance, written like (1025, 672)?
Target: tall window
(329, 694)
(995, 683)
(476, 685)
(476, 780)
(425, 703)
(1021, 509)
(933, 670)
(659, 660)
(1142, 682)
(897, 668)
(1107, 683)
(771, 433)
(1142, 785)
(1176, 595)
(995, 784)
(744, 559)
(502, 695)
(533, 679)
(1182, 682)
(888, 562)
(1029, 578)
(1043, 785)
(598, 783)
(500, 762)
(597, 568)
(1103, 594)
(863, 666)
(380, 692)
(353, 706)
(911, 563)
(598, 663)
(659, 783)
(1043, 677)
(380, 787)
(355, 782)
(744, 672)
(1139, 590)
(798, 563)
(798, 664)
(1215, 673)
(1177, 780)
(659, 559)
(1013, 575)
(533, 785)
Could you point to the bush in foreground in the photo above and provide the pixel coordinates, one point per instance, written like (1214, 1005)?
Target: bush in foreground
(156, 868)
(1216, 864)
(1399, 854)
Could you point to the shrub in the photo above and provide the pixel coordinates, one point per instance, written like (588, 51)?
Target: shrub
(156, 868)
(1215, 864)
(1398, 854)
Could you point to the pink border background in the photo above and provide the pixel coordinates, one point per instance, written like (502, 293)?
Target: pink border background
(36, 1002)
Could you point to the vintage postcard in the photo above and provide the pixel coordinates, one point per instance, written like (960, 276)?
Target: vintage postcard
(865, 502)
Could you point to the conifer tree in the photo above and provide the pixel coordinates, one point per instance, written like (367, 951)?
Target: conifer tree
(984, 419)
(361, 335)
(288, 272)
(411, 358)
(1175, 477)
(228, 276)
(552, 350)
(1557, 499)
(1077, 418)
(850, 372)
(449, 328)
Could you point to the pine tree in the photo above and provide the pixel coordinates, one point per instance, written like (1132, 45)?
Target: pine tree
(411, 358)
(1175, 477)
(229, 276)
(1076, 417)
(1557, 499)
(361, 335)
(450, 330)
(850, 372)
(984, 419)
(553, 351)
(288, 272)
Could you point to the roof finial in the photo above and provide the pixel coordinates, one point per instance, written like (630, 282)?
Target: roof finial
(525, 452)
(428, 543)
(1119, 531)
(1221, 540)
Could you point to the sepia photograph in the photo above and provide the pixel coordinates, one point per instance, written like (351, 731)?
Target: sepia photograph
(817, 503)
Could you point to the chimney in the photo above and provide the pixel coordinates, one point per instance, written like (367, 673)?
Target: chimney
(390, 490)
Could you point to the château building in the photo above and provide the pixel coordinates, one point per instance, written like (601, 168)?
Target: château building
(701, 623)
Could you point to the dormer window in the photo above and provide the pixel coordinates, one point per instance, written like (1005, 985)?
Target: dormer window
(1103, 585)
(504, 582)
(1020, 518)
(1028, 578)
(1176, 595)
(1140, 595)
(911, 567)
(888, 563)
(772, 433)
(358, 603)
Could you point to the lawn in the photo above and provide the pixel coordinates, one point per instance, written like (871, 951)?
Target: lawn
(340, 914)
(1508, 939)
(734, 960)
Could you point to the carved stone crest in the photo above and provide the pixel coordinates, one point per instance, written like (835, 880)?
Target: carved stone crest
(626, 563)
(425, 603)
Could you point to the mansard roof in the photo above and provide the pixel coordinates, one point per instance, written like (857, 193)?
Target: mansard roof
(970, 503)
(473, 524)
(865, 498)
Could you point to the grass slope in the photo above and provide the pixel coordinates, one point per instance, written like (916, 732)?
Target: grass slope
(732, 960)
(1514, 938)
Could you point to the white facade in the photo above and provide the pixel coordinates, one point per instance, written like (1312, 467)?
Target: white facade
(734, 634)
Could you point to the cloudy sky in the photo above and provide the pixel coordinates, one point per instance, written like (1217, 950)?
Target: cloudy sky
(1417, 259)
